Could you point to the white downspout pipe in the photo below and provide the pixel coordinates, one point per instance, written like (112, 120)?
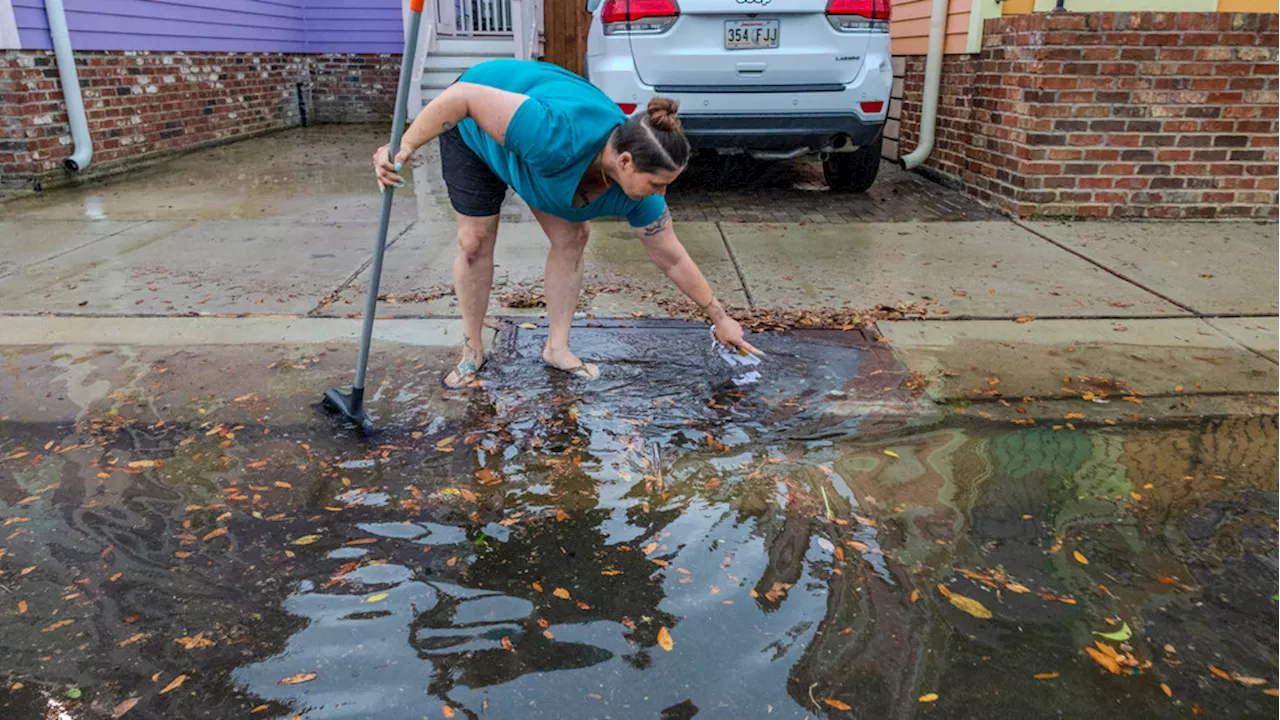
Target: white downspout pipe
(932, 84)
(70, 86)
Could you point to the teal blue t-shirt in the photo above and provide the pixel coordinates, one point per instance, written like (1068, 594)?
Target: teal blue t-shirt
(552, 138)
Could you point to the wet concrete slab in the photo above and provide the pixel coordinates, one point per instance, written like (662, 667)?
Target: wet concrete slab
(970, 269)
(1229, 267)
(26, 244)
(1260, 334)
(620, 278)
(980, 360)
(211, 267)
(307, 176)
(184, 332)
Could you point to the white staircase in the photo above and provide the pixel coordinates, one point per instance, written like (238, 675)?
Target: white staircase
(453, 55)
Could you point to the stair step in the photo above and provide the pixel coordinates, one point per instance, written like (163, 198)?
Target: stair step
(475, 46)
(439, 79)
(439, 62)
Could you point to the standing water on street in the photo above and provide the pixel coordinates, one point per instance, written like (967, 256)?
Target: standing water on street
(653, 544)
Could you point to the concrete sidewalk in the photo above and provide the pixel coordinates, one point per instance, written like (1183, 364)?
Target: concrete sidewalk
(279, 235)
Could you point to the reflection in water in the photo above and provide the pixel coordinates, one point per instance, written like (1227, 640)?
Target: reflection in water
(525, 561)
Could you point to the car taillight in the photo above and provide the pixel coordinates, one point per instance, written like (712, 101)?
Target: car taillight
(859, 15)
(638, 17)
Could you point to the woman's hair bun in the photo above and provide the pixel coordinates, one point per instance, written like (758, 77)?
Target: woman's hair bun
(662, 114)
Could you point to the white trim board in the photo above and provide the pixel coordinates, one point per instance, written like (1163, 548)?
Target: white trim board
(9, 39)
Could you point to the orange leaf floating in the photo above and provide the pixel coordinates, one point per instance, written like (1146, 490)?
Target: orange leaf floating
(664, 639)
(1046, 676)
(1104, 660)
(1166, 689)
(928, 697)
(836, 704)
(561, 593)
(298, 679)
(1220, 672)
(1080, 558)
(177, 682)
(448, 711)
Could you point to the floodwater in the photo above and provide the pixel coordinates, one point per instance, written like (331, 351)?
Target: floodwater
(658, 544)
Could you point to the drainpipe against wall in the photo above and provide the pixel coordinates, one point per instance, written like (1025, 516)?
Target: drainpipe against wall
(70, 86)
(932, 83)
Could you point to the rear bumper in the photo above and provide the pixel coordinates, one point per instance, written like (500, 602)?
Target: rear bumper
(779, 132)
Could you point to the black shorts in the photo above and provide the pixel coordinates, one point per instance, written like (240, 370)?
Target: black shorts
(474, 189)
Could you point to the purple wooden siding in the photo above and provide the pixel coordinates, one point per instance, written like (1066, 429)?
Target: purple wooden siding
(363, 26)
(369, 26)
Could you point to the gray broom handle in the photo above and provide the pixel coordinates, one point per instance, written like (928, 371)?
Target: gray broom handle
(397, 130)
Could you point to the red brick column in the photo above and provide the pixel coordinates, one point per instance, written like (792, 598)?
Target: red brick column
(1169, 115)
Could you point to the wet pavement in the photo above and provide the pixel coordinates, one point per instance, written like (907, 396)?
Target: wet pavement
(186, 535)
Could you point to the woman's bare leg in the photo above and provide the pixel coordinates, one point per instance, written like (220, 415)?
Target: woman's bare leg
(562, 287)
(472, 281)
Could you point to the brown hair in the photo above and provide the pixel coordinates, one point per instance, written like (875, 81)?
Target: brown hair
(654, 138)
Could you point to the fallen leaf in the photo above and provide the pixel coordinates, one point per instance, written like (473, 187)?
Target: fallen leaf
(865, 521)
(487, 477)
(862, 547)
(177, 682)
(59, 624)
(1046, 676)
(561, 593)
(298, 679)
(363, 541)
(946, 592)
(969, 605)
(182, 554)
(132, 639)
(506, 644)
(836, 704)
(1250, 681)
(650, 548)
(377, 598)
(1166, 689)
(448, 711)
(928, 697)
(214, 533)
(1017, 587)
(305, 540)
(527, 326)
(145, 464)
(1219, 672)
(664, 639)
(1273, 692)
(915, 595)
(890, 453)
(1105, 661)
(1079, 557)
(124, 707)
(192, 643)
(22, 607)
(12, 520)
(259, 709)
(282, 484)
(1024, 319)
(537, 586)
(1124, 633)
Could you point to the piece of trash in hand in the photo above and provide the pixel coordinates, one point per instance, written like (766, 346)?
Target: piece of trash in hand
(738, 361)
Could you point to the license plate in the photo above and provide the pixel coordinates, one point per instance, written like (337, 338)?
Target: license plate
(750, 34)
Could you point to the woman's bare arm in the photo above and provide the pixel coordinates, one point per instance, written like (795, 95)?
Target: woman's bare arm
(491, 108)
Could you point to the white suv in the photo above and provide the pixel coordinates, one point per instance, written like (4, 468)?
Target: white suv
(772, 78)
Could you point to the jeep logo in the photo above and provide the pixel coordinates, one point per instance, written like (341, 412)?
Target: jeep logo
(761, 3)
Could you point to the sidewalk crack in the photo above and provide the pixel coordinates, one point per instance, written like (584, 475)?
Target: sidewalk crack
(328, 297)
(1108, 270)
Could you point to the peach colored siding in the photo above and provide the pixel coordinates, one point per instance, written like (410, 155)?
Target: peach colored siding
(909, 29)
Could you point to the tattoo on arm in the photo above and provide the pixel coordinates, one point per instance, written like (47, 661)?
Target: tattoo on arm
(658, 225)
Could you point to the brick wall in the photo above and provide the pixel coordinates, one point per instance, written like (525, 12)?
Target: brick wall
(146, 104)
(353, 88)
(139, 103)
(1170, 115)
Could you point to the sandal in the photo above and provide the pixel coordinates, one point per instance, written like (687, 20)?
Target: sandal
(586, 371)
(466, 370)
